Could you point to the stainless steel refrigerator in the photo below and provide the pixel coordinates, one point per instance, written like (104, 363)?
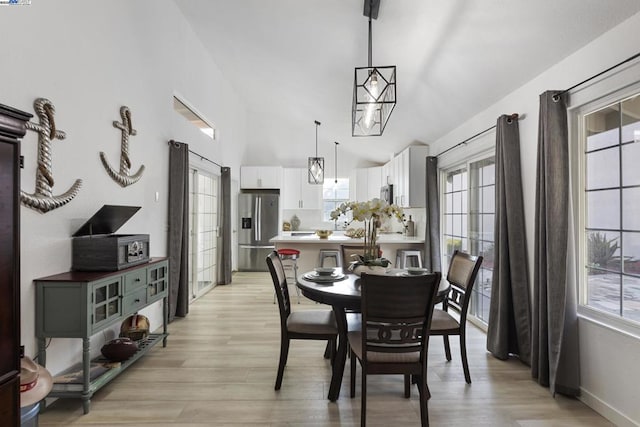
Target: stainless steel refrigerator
(257, 223)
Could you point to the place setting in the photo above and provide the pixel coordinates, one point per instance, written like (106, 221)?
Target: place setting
(324, 275)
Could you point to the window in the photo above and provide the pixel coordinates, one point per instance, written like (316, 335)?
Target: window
(196, 119)
(469, 213)
(334, 193)
(610, 138)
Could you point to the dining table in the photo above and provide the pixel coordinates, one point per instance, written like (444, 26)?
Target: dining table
(342, 292)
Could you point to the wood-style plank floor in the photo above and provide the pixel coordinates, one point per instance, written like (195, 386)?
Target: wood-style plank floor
(220, 365)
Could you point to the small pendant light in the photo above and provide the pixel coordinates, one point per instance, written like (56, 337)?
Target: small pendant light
(316, 164)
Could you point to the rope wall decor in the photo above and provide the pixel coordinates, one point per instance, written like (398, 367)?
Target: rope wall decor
(43, 199)
(122, 177)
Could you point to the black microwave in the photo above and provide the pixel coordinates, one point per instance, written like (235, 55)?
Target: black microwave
(386, 193)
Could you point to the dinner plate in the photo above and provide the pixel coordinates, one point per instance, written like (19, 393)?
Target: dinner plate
(315, 277)
(407, 274)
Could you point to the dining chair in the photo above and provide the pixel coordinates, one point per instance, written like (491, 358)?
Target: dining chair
(394, 336)
(302, 325)
(463, 270)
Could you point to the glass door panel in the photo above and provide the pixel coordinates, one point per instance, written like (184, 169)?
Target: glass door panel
(203, 232)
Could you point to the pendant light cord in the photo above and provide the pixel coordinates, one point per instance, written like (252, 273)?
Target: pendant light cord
(336, 158)
(317, 124)
(370, 43)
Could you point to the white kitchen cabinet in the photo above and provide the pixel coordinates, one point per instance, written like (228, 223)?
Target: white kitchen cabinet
(386, 174)
(297, 193)
(365, 183)
(410, 176)
(374, 181)
(264, 177)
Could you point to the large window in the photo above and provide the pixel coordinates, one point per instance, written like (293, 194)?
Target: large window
(469, 212)
(611, 222)
(334, 193)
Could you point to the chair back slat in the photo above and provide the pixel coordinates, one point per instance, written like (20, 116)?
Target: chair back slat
(279, 279)
(396, 312)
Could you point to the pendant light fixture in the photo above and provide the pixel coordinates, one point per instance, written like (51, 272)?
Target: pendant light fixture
(336, 160)
(316, 164)
(374, 89)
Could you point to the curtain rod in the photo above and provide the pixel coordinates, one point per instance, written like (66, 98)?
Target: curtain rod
(557, 95)
(514, 116)
(196, 154)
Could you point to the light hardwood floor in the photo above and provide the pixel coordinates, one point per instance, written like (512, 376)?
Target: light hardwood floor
(220, 365)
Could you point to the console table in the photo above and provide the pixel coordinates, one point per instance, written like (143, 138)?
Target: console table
(79, 304)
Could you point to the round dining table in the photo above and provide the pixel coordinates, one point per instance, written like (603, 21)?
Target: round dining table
(342, 293)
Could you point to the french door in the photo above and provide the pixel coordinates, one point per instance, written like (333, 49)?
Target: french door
(203, 232)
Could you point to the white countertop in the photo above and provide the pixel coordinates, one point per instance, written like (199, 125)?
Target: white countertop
(339, 238)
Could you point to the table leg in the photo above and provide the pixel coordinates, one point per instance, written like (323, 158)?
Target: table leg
(341, 356)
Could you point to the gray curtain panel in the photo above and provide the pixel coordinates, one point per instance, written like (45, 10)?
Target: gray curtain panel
(178, 249)
(225, 264)
(509, 329)
(432, 228)
(555, 356)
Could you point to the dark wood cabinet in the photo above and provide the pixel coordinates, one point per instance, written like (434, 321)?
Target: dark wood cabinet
(12, 127)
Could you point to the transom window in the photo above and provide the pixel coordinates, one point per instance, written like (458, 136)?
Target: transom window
(611, 137)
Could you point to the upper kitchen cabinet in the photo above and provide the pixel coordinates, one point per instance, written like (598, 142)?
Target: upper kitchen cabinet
(260, 177)
(297, 193)
(365, 183)
(409, 177)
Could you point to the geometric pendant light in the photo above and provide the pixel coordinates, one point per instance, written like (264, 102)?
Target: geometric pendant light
(374, 90)
(316, 164)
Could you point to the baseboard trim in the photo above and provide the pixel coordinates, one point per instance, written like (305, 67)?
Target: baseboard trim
(606, 410)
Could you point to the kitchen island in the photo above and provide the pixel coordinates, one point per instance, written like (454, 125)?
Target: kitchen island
(310, 245)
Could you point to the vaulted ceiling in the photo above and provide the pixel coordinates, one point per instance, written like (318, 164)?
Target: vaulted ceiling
(292, 61)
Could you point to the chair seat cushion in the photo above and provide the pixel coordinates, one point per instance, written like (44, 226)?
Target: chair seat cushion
(312, 322)
(443, 321)
(355, 341)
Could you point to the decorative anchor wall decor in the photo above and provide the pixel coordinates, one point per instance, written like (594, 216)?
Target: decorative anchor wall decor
(43, 200)
(123, 178)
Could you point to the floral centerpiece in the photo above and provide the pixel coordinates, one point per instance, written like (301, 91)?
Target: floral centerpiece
(371, 214)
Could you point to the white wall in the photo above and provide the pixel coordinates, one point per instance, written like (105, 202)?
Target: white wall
(609, 372)
(90, 58)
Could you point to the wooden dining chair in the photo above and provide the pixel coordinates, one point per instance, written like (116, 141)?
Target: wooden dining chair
(463, 270)
(394, 337)
(302, 325)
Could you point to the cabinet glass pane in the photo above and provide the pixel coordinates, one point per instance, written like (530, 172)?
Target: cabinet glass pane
(100, 294)
(113, 307)
(113, 290)
(100, 313)
(154, 274)
(153, 289)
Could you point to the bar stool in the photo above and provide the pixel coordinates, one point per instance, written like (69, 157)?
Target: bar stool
(405, 258)
(289, 259)
(330, 254)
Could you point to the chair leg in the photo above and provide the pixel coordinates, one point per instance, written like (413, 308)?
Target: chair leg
(424, 396)
(284, 353)
(363, 404)
(447, 348)
(353, 374)
(407, 386)
(328, 350)
(465, 363)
